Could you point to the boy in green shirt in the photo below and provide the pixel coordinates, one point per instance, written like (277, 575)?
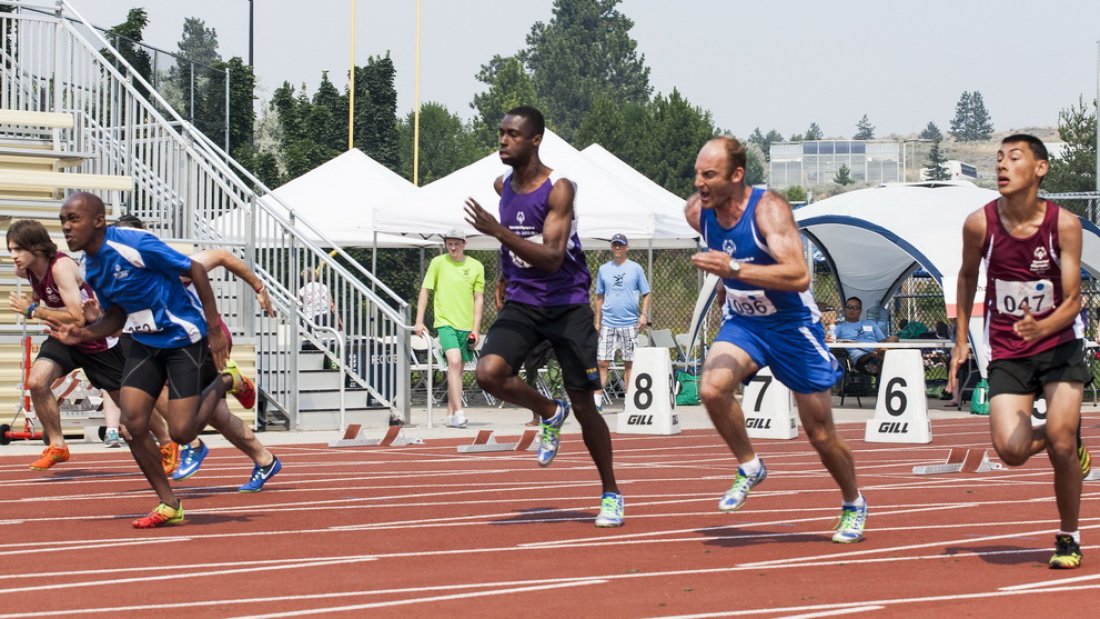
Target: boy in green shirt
(458, 282)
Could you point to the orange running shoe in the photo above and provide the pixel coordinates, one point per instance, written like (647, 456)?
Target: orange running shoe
(50, 456)
(243, 387)
(170, 458)
(162, 515)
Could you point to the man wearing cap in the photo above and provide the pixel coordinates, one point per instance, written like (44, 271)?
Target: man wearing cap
(621, 288)
(459, 284)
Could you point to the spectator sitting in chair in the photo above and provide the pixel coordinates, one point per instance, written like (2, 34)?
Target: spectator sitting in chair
(857, 330)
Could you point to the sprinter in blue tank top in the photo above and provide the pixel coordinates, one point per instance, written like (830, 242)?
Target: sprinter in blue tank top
(547, 299)
(769, 320)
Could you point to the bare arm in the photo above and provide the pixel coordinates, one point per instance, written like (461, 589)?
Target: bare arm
(219, 347)
(692, 210)
(599, 311)
(479, 308)
(775, 220)
(214, 258)
(643, 317)
(498, 293)
(110, 323)
(973, 237)
(421, 307)
(547, 255)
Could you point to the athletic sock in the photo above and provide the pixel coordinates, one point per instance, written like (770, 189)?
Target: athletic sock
(859, 502)
(1076, 535)
(751, 467)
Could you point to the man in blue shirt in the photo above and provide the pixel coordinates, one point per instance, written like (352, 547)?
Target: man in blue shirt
(857, 330)
(621, 287)
(137, 279)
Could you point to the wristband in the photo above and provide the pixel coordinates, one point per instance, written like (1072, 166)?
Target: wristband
(260, 288)
(30, 309)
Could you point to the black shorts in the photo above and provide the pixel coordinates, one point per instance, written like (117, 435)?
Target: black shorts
(187, 370)
(103, 369)
(570, 329)
(1065, 363)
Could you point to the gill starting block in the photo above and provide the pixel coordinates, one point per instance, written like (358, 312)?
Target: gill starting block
(394, 437)
(484, 442)
(961, 460)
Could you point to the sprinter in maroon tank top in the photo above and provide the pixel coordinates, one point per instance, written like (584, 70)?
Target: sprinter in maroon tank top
(1031, 249)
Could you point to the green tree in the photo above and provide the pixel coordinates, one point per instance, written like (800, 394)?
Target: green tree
(972, 122)
(1075, 167)
(674, 132)
(813, 133)
(242, 111)
(446, 144)
(864, 129)
(934, 168)
(765, 141)
(332, 125)
(376, 112)
(615, 125)
(509, 86)
(583, 51)
(931, 132)
(844, 176)
(796, 193)
(127, 38)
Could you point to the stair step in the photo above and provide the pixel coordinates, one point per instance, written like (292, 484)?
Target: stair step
(27, 181)
(27, 118)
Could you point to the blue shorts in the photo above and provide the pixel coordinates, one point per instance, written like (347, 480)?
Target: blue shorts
(794, 350)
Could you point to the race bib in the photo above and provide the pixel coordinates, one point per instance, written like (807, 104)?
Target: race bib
(1012, 297)
(749, 302)
(141, 322)
(520, 262)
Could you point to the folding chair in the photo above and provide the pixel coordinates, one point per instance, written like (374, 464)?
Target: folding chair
(663, 338)
(422, 360)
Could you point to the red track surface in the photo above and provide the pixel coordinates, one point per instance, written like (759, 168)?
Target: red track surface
(421, 530)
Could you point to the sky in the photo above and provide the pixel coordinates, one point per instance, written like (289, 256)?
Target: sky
(772, 64)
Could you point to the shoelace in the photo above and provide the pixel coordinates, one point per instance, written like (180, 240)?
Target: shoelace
(850, 519)
(610, 506)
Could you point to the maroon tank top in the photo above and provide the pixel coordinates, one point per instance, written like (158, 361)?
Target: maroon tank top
(47, 293)
(1019, 272)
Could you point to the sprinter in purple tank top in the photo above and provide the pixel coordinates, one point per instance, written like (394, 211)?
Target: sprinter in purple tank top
(548, 281)
(1031, 249)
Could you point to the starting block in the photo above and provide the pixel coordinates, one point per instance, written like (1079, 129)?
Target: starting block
(960, 460)
(394, 437)
(484, 442)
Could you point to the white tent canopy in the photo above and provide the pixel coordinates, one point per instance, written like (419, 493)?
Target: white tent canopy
(876, 237)
(340, 198)
(606, 203)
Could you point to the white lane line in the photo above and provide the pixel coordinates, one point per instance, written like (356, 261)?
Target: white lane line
(833, 613)
(1047, 583)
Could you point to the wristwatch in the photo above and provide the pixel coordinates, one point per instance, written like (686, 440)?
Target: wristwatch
(735, 267)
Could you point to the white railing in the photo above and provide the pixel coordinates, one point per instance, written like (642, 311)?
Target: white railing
(187, 188)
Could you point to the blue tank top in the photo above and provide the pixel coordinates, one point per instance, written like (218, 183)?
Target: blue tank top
(744, 243)
(525, 214)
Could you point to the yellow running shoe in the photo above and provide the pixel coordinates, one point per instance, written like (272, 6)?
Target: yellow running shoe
(243, 388)
(162, 515)
(1067, 553)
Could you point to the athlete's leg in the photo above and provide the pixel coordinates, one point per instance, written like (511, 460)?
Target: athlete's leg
(1014, 439)
(454, 379)
(725, 367)
(240, 435)
(496, 376)
(627, 367)
(816, 412)
(137, 406)
(597, 437)
(1063, 418)
(40, 381)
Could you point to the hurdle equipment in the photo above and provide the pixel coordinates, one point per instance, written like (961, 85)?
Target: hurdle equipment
(395, 437)
(484, 442)
(961, 460)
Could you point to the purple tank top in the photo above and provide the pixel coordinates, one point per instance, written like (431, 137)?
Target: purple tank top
(525, 214)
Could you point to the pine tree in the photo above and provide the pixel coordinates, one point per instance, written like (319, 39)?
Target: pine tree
(931, 132)
(935, 169)
(981, 124)
(814, 133)
(844, 176)
(962, 117)
(866, 131)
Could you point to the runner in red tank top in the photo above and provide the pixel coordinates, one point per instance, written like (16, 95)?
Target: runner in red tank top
(1031, 249)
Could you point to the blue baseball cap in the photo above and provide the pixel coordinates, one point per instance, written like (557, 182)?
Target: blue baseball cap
(620, 239)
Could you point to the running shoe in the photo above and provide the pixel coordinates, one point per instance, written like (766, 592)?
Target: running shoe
(161, 516)
(260, 475)
(190, 460)
(1085, 458)
(739, 491)
(243, 388)
(170, 458)
(551, 433)
(50, 456)
(1067, 553)
(611, 511)
(455, 421)
(111, 438)
(849, 529)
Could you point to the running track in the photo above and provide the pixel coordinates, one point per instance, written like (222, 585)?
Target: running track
(423, 531)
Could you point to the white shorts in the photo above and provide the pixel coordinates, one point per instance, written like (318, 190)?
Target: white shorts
(617, 338)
